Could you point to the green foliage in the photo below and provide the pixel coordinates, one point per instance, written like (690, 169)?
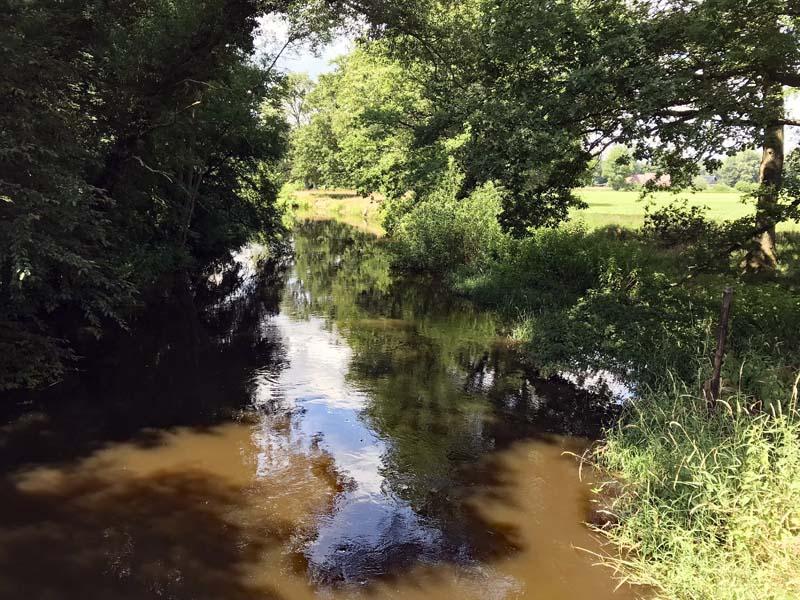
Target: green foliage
(138, 142)
(535, 90)
(441, 234)
(298, 88)
(746, 187)
(590, 300)
(608, 299)
(721, 188)
(360, 132)
(740, 168)
(57, 242)
(618, 166)
(678, 224)
(709, 501)
(700, 183)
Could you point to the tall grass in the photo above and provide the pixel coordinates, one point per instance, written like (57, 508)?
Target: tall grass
(709, 506)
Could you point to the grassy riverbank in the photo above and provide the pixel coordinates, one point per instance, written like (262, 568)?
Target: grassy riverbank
(708, 503)
(344, 206)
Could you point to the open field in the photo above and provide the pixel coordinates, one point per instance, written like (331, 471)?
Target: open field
(627, 209)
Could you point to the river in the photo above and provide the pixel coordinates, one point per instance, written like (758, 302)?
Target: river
(332, 431)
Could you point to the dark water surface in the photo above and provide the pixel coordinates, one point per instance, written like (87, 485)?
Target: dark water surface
(328, 433)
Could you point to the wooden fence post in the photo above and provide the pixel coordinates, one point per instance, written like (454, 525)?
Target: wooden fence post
(722, 338)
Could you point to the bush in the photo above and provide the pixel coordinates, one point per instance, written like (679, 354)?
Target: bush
(441, 234)
(746, 187)
(700, 183)
(551, 266)
(710, 502)
(721, 188)
(677, 224)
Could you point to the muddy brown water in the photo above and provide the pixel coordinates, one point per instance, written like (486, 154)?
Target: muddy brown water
(334, 432)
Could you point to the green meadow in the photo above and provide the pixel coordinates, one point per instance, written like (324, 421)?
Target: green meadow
(609, 207)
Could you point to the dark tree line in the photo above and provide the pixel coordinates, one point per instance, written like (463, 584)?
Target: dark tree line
(137, 138)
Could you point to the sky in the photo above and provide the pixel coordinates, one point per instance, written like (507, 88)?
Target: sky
(299, 58)
(303, 60)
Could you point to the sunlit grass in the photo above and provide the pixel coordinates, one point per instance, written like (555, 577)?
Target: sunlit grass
(609, 207)
(344, 206)
(709, 505)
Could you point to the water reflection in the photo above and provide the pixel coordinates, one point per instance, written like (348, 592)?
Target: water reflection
(406, 388)
(331, 430)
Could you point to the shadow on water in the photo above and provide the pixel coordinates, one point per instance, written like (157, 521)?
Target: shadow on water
(327, 427)
(69, 528)
(175, 368)
(148, 538)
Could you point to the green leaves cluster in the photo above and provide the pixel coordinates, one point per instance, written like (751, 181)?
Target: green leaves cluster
(741, 167)
(360, 134)
(442, 235)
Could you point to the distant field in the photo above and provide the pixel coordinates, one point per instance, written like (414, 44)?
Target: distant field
(343, 205)
(626, 209)
(606, 207)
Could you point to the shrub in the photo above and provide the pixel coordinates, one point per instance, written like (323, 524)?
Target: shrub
(551, 266)
(442, 234)
(677, 224)
(746, 187)
(721, 188)
(700, 183)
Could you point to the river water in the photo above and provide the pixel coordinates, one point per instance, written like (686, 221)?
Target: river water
(330, 432)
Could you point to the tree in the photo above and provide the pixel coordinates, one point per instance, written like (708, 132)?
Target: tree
(361, 128)
(134, 156)
(539, 88)
(618, 166)
(743, 167)
(729, 63)
(299, 86)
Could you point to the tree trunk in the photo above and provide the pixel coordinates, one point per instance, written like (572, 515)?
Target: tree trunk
(763, 255)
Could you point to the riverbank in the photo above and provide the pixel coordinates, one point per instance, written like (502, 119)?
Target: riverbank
(708, 506)
(345, 206)
(606, 207)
